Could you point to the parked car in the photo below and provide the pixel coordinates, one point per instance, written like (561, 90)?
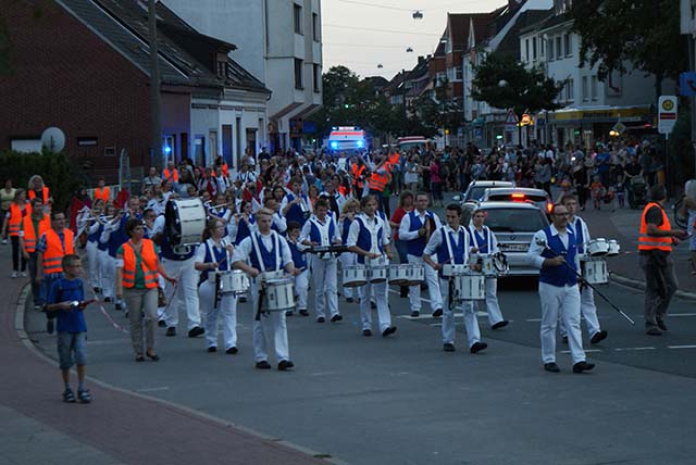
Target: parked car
(539, 197)
(477, 188)
(514, 225)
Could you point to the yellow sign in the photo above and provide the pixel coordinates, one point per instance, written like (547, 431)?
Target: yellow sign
(668, 105)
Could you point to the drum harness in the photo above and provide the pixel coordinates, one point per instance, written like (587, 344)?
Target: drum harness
(579, 275)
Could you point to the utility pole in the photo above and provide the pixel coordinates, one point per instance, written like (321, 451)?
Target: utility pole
(155, 116)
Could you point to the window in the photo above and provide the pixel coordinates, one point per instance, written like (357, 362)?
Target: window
(316, 77)
(559, 50)
(541, 46)
(550, 49)
(315, 27)
(567, 38)
(593, 88)
(526, 50)
(534, 48)
(297, 11)
(585, 95)
(298, 74)
(459, 73)
(570, 90)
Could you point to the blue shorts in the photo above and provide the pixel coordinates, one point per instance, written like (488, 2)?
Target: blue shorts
(71, 345)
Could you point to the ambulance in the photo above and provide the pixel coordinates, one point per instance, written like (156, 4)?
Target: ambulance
(348, 139)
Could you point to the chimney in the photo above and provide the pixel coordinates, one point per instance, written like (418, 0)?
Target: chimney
(421, 59)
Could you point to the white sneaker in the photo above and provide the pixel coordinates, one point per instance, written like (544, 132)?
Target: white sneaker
(14, 274)
(24, 274)
(4, 241)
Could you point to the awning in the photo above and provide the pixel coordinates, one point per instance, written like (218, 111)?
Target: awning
(600, 115)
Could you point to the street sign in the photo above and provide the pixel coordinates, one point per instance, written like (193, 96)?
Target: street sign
(619, 127)
(511, 119)
(687, 84)
(667, 114)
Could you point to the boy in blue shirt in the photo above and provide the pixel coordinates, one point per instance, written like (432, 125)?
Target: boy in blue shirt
(66, 298)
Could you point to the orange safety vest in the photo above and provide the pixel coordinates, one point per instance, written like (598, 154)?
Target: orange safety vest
(102, 194)
(166, 173)
(392, 160)
(16, 216)
(55, 251)
(646, 242)
(225, 170)
(30, 234)
(378, 182)
(357, 172)
(148, 263)
(32, 194)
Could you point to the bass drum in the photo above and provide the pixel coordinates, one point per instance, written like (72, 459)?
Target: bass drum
(184, 221)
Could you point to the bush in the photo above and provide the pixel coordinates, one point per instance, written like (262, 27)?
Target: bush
(60, 173)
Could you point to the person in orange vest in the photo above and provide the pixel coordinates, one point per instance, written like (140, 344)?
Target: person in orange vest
(13, 223)
(655, 242)
(357, 172)
(34, 226)
(170, 174)
(137, 278)
(394, 165)
(378, 182)
(53, 245)
(102, 192)
(37, 188)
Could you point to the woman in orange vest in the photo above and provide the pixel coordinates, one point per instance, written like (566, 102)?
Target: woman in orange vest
(34, 226)
(137, 280)
(13, 223)
(37, 188)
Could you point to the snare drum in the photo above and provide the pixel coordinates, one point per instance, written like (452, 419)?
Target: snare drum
(469, 287)
(501, 264)
(233, 282)
(280, 294)
(488, 267)
(354, 276)
(399, 275)
(378, 273)
(594, 271)
(454, 270)
(416, 274)
(597, 247)
(614, 248)
(184, 221)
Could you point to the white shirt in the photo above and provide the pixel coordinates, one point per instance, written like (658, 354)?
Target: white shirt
(435, 241)
(405, 234)
(200, 253)
(323, 228)
(537, 247)
(244, 249)
(373, 225)
(492, 240)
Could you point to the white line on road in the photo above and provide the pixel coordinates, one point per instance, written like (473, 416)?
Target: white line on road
(627, 349)
(533, 320)
(155, 389)
(681, 314)
(586, 351)
(690, 346)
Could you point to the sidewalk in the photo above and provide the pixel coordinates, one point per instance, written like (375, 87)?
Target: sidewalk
(119, 427)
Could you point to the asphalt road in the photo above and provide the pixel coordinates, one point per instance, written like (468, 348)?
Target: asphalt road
(402, 400)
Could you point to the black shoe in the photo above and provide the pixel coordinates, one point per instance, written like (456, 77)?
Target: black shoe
(448, 347)
(653, 331)
(232, 351)
(389, 331)
(171, 332)
(599, 336)
(336, 317)
(118, 306)
(196, 331)
(367, 332)
(373, 305)
(582, 366)
(96, 290)
(153, 357)
(242, 300)
(661, 324)
(552, 367)
(437, 313)
(289, 313)
(304, 313)
(321, 319)
(212, 349)
(415, 314)
(162, 324)
(285, 365)
(50, 326)
(263, 365)
(500, 324)
(403, 293)
(478, 347)
(350, 300)
(565, 339)
(108, 300)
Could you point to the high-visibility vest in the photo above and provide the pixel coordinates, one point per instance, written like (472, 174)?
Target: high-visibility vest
(378, 182)
(357, 172)
(45, 194)
(392, 160)
(225, 170)
(166, 174)
(102, 194)
(55, 251)
(15, 220)
(148, 263)
(30, 234)
(646, 242)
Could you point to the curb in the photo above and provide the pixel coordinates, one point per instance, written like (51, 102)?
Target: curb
(640, 285)
(26, 340)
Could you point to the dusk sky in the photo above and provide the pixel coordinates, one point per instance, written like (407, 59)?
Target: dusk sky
(358, 33)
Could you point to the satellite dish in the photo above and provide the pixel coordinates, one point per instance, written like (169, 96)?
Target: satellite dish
(417, 14)
(53, 139)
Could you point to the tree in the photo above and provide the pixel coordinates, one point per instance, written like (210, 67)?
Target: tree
(644, 33)
(437, 112)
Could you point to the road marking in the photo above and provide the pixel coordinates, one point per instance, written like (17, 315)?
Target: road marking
(394, 291)
(586, 350)
(533, 320)
(681, 314)
(690, 346)
(627, 349)
(155, 389)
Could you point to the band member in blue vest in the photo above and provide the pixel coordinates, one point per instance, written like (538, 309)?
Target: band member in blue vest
(416, 228)
(299, 259)
(242, 223)
(321, 231)
(349, 211)
(296, 205)
(484, 242)
(215, 255)
(369, 239)
(553, 250)
(588, 309)
(263, 252)
(451, 245)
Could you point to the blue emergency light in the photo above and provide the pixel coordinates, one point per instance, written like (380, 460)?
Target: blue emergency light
(334, 145)
(361, 143)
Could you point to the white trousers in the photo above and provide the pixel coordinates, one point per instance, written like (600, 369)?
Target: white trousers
(186, 292)
(270, 325)
(108, 267)
(473, 332)
(302, 289)
(348, 259)
(324, 280)
(560, 302)
(93, 264)
(227, 307)
(588, 310)
(431, 278)
(491, 302)
(383, 315)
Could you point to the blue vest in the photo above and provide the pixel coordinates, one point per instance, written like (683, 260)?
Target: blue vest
(416, 246)
(268, 256)
(219, 214)
(579, 235)
(480, 243)
(563, 275)
(220, 254)
(119, 236)
(169, 254)
(295, 212)
(315, 234)
(298, 258)
(365, 239)
(443, 255)
(243, 230)
(101, 245)
(346, 230)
